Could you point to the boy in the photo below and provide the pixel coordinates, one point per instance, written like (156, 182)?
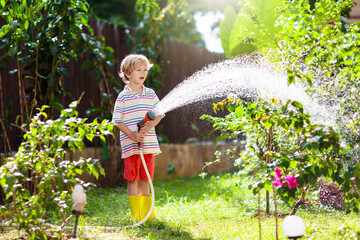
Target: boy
(130, 107)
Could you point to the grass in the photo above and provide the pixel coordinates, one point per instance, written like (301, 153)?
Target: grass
(214, 207)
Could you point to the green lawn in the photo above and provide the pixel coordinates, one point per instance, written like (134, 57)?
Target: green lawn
(214, 207)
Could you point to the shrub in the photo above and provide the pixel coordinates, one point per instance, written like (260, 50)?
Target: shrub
(39, 175)
(281, 136)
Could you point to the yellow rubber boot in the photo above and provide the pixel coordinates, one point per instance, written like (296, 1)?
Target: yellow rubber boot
(136, 203)
(146, 207)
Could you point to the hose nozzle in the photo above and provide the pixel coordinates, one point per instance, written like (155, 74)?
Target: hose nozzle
(151, 115)
(148, 117)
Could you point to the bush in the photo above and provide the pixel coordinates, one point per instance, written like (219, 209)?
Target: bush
(39, 176)
(280, 137)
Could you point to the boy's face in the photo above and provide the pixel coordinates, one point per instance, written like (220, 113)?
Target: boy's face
(139, 74)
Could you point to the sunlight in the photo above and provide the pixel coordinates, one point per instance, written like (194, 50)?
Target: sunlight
(204, 23)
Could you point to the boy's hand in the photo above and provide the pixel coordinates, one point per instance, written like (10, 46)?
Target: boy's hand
(151, 124)
(137, 136)
(146, 128)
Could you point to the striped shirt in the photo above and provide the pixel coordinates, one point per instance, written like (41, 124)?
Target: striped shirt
(130, 108)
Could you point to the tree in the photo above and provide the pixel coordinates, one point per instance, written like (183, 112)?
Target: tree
(42, 36)
(119, 12)
(125, 13)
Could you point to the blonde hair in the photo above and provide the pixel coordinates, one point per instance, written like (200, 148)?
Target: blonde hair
(128, 65)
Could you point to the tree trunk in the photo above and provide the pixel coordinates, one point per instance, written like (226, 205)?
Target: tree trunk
(259, 215)
(356, 190)
(300, 201)
(268, 160)
(276, 214)
(7, 146)
(267, 202)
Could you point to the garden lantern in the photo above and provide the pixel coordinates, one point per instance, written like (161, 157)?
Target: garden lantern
(294, 227)
(79, 201)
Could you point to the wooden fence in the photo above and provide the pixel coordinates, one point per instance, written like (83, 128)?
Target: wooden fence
(184, 59)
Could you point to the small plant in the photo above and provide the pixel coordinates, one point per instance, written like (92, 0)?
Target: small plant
(38, 178)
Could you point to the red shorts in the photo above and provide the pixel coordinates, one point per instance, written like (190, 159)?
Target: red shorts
(134, 169)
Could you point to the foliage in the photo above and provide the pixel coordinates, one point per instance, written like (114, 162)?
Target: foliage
(318, 48)
(150, 24)
(251, 28)
(39, 177)
(123, 12)
(281, 135)
(43, 36)
(324, 52)
(119, 12)
(155, 26)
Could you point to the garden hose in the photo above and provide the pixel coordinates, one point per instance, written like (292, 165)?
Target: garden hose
(148, 117)
(151, 188)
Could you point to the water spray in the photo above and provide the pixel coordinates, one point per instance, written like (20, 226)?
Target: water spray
(247, 78)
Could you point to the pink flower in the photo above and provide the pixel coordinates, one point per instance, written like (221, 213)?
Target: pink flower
(282, 42)
(291, 179)
(277, 173)
(278, 182)
(331, 23)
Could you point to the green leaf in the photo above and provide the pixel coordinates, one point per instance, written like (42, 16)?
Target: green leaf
(297, 105)
(239, 111)
(2, 182)
(90, 137)
(38, 167)
(81, 131)
(10, 181)
(290, 77)
(13, 50)
(230, 107)
(95, 173)
(293, 164)
(267, 125)
(34, 131)
(268, 185)
(254, 27)
(304, 145)
(4, 30)
(102, 171)
(26, 24)
(312, 178)
(225, 29)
